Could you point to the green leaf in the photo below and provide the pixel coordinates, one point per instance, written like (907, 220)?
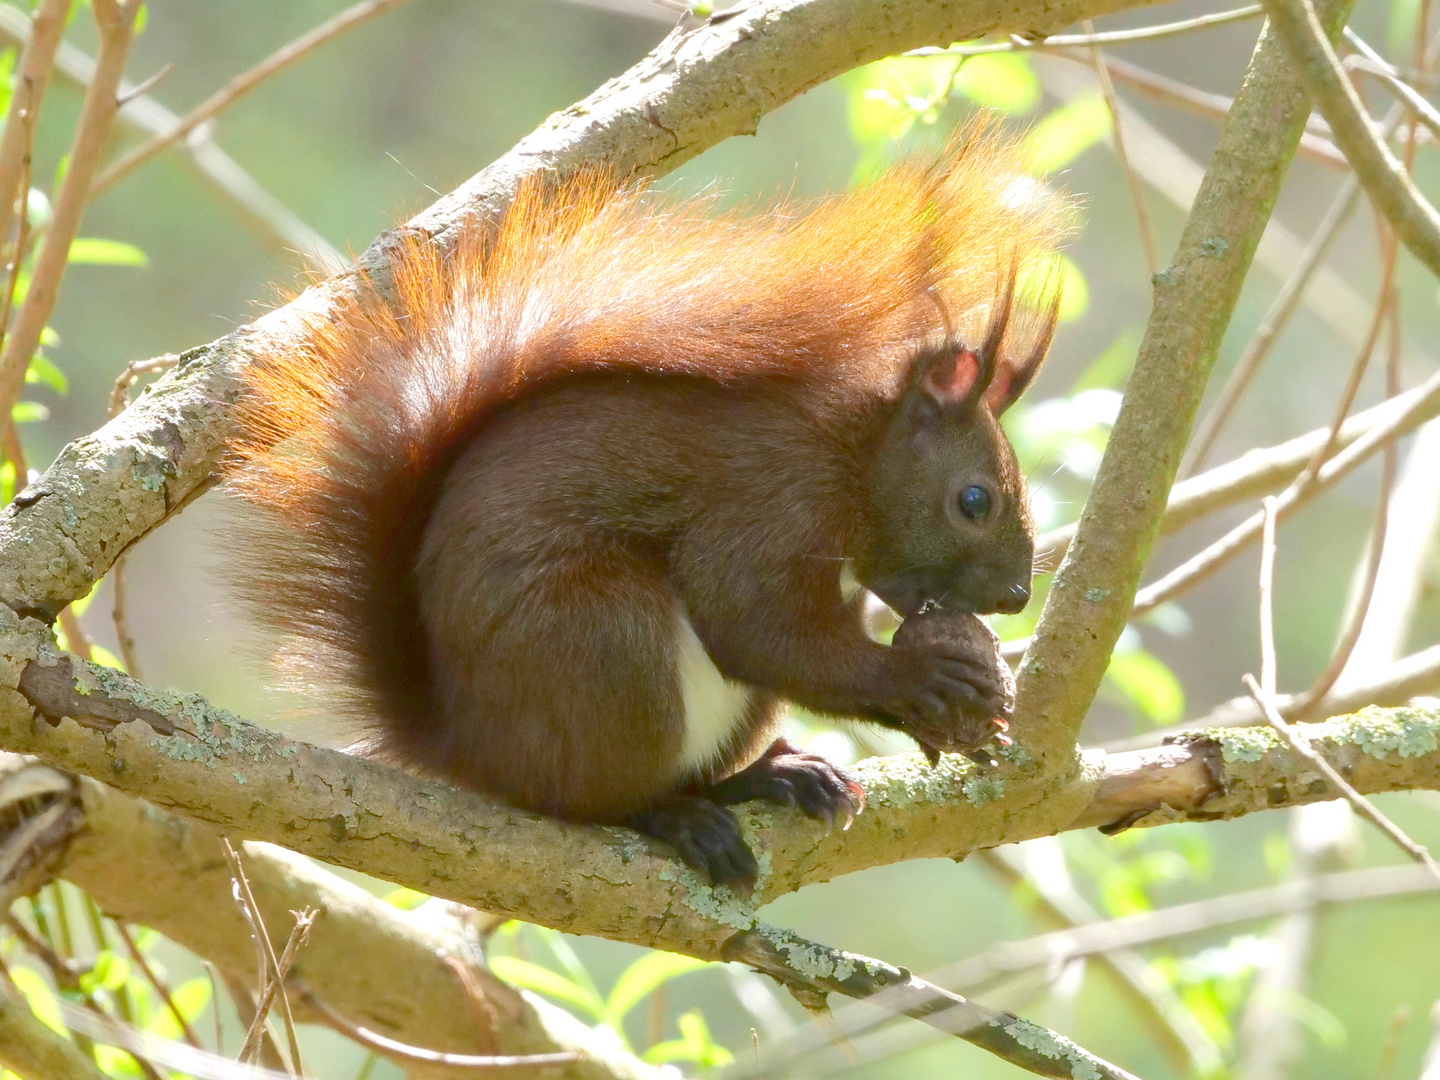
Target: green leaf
(1067, 133)
(39, 997)
(110, 971)
(42, 370)
(190, 998)
(641, 978)
(96, 251)
(568, 960)
(27, 412)
(694, 1044)
(7, 483)
(534, 977)
(1037, 282)
(405, 899)
(105, 658)
(1148, 685)
(1001, 81)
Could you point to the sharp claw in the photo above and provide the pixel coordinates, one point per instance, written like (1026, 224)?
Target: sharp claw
(932, 755)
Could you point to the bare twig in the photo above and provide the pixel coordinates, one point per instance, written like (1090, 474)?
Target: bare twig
(1264, 695)
(1355, 625)
(37, 61)
(161, 987)
(373, 1040)
(1315, 144)
(242, 84)
(1393, 684)
(279, 226)
(1194, 298)
(1372, 63)
(1301, 490)
(1362, 805)
(1267, 591)
(1132, 181)
(270, 962)
(1384, 178)
(75, 637)
(1108, 37)
(1260, 343)
(92, 130)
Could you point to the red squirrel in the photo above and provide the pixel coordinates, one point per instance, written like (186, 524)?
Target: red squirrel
(566, 519)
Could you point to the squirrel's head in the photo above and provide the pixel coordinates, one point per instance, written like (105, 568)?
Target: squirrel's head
(949, 520)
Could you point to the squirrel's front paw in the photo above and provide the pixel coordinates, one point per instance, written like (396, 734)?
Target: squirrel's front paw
(957, 693)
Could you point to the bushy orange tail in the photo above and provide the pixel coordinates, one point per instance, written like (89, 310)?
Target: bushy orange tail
(344, 439)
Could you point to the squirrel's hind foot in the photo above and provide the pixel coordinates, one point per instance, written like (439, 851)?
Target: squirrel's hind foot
(708, 837)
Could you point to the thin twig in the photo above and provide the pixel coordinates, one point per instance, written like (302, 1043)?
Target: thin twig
(304, 920)
(1305, 487)
(1384, 178)
(37, 61)
(1372, 63)
(1315, 144)
(1267, 591)
(373, 1040)
(1132, 181)
(92, 131)
(1361, 609)
(242, 84)
(1363, 806)
(269, 961)
(161, 987)
(1261, 342)
(1264, 696)
(76, 639)
(1108, 37)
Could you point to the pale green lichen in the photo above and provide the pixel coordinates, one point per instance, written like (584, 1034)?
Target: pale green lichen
(240, 778)
(1244, 744)
(1095, 596)
(1015, 754)
(718, 903)
(816, 961)
(982, 790)
(1052, 1045)
(1214, 246)
(1409, 732)
(908, 779)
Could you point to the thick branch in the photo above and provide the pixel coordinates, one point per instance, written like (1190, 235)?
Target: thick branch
(1194, 298)
(145, 866)
(257, 784)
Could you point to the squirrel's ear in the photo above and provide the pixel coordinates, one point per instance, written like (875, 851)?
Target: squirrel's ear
(951, 376)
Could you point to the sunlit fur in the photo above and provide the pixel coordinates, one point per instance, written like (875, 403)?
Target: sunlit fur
(345, 437)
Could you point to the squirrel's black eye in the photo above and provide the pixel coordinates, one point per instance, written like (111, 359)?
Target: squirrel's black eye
(975, 503)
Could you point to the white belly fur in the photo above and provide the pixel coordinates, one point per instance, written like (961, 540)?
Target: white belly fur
(714, 706)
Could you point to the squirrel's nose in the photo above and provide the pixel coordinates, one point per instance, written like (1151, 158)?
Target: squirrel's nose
(1014, 600)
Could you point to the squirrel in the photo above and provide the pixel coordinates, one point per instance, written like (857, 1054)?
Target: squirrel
(569, 516)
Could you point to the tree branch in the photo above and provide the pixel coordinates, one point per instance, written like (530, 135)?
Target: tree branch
(1091, 599)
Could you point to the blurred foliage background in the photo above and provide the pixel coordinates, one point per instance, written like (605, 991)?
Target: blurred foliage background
(375, 125)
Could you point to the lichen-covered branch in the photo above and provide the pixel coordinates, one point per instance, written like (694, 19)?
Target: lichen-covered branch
(152, 868)
(1194, 297)
(256, 784)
